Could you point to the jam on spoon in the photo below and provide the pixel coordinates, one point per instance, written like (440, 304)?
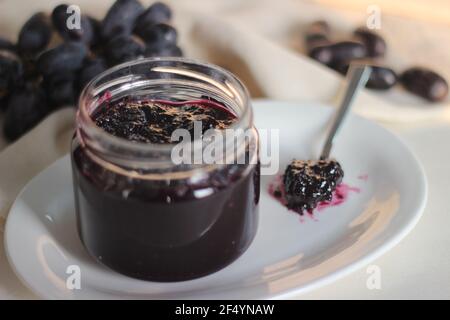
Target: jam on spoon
(308, 183)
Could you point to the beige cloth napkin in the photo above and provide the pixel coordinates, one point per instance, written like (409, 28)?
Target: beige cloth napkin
(260, 41)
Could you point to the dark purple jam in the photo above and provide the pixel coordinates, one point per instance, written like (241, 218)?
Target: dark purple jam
(309, 183)
(154, 121)
(167, 229)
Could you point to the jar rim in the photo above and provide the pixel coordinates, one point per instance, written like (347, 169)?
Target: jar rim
(84, 116)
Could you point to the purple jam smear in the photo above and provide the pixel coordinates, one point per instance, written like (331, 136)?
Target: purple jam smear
(154, 121)
(339, 196)
(363, 177)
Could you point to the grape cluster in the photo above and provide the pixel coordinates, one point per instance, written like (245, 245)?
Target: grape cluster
(368, 47)
(52, 61)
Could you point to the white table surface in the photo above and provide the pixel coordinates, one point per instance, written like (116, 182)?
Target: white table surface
(417, 268)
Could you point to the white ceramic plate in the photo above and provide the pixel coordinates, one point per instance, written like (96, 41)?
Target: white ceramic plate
(287, 257)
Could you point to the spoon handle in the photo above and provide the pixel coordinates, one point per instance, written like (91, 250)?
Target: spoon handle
(356, 79)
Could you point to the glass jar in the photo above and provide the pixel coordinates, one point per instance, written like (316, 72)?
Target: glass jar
(146, 216)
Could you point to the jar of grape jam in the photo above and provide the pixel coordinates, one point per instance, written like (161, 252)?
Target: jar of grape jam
(139, 211)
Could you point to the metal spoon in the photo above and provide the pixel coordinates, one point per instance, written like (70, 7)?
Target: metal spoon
(357, 77)
(302, 187)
